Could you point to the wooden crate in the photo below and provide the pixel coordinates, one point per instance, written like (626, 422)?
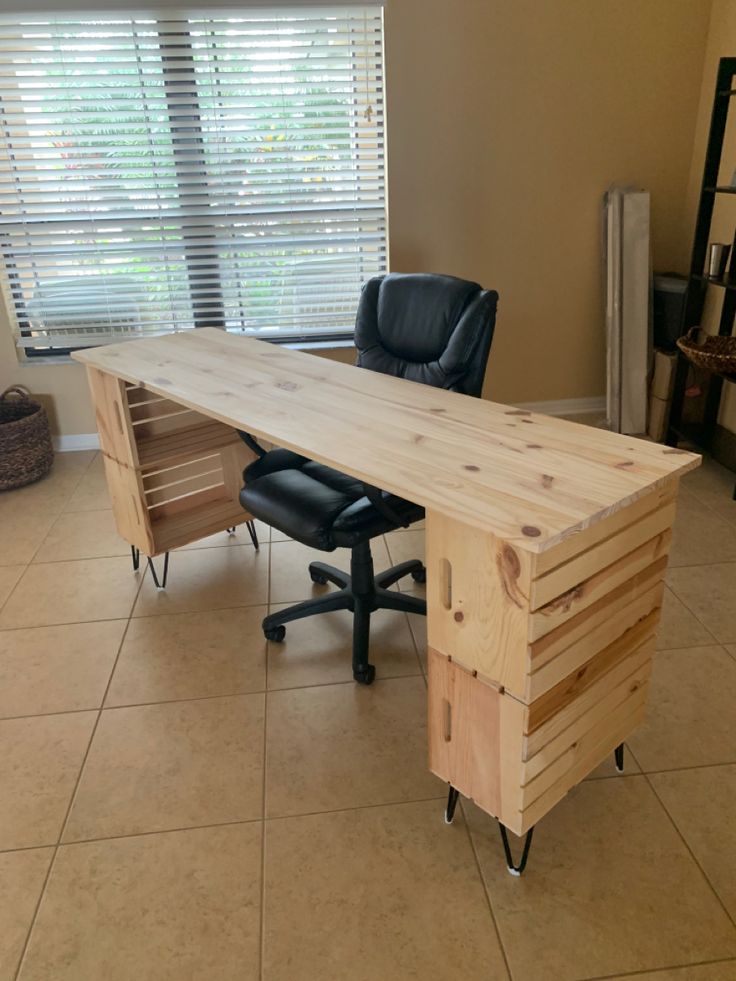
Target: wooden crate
(174, 474)
(539, 664)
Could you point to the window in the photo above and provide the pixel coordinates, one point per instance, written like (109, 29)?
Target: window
(172, 171)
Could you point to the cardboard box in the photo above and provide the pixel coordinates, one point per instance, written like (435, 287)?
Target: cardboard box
(663, 376)
(659, 413)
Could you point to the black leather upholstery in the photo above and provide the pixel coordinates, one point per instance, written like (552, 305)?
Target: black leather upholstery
(333, 508)
(426, 328)
(431, 329)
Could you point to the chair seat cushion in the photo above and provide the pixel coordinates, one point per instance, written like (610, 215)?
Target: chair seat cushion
(314, 504)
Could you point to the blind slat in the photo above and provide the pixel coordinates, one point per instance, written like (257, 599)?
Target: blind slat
(158, 175)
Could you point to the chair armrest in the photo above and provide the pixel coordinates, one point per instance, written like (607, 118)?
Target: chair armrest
(375, 496)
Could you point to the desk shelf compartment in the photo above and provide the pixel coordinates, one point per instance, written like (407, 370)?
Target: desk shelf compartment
(174, 475)
(539, 665)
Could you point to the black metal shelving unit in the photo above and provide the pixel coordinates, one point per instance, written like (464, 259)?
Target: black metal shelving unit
(708, 434)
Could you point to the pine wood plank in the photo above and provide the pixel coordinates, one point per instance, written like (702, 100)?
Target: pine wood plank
(624, 615)
(600, 556)
(529, 480)
(579, 598)
(638, 658)
(477, 588)
(570, 688)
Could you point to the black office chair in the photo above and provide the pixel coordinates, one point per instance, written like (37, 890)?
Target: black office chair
(426, 328)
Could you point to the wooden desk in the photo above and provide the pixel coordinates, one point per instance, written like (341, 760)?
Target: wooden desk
(547, 541)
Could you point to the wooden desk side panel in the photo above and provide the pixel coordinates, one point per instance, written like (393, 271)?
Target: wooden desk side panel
(478, 601)
(120, 458)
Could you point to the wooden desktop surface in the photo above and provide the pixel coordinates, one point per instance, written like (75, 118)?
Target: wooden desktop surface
(529, 479)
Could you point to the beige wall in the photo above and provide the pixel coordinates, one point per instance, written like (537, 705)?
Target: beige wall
(506, 122)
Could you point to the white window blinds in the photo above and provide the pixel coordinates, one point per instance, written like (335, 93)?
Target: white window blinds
(165, 173)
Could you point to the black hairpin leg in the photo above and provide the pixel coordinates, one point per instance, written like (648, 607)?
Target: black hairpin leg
(451, 804)
(618, 755)
(135, 553)
(516, 869)
(151, 566)
(251, 525)
(452, 798)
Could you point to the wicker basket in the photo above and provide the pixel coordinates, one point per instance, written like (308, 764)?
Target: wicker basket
(26, 453)
(712, 353)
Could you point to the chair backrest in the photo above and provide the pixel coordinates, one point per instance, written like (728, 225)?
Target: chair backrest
(428, 328)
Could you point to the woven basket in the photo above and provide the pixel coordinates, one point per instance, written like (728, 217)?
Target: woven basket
(26, 453)
(712, 353)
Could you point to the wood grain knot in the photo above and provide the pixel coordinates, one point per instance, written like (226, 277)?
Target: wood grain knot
(161, 381)
(510, 564)
(518, 412)
(534, 446)
(529, 421)
(288, 386)
(624, 464)
(547, 480)
(531, 531)
(458, 617)
(418, 438)
(471, 467)
(438, 410)
(674, 452)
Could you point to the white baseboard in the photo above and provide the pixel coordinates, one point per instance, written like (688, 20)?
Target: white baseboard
(77, 441)
(561, 407)
(567, 407)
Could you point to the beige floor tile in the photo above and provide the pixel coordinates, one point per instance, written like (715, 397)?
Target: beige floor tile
(9, 576)
(191, 655)
(708, 591)
(700, 536)
(21, 533)
(318, 650)
(609, 888)
(290, 580)
(72, 592)
(22, 875)
(51, 493)
(403, 546)
(173, 765)
(57, 669)
(82, 535)
(690, 713)
(406, 544)
(91, 492)
(347, 746)
(208, 579)
(376, 894)
(702, 803)
(240, 537)
(711, 483)
(678, 627)
(40, 760)
(182, 906)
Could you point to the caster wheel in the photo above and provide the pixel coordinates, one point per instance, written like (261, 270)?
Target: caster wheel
(275, 634)
(318, 578)
(420, 575)
(366, 675)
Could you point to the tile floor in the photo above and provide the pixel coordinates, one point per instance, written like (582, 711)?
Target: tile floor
(180, 800)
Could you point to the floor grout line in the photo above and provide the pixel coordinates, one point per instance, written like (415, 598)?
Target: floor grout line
(75, 789)
(685, 842)
(486, 890)
(656, 970)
